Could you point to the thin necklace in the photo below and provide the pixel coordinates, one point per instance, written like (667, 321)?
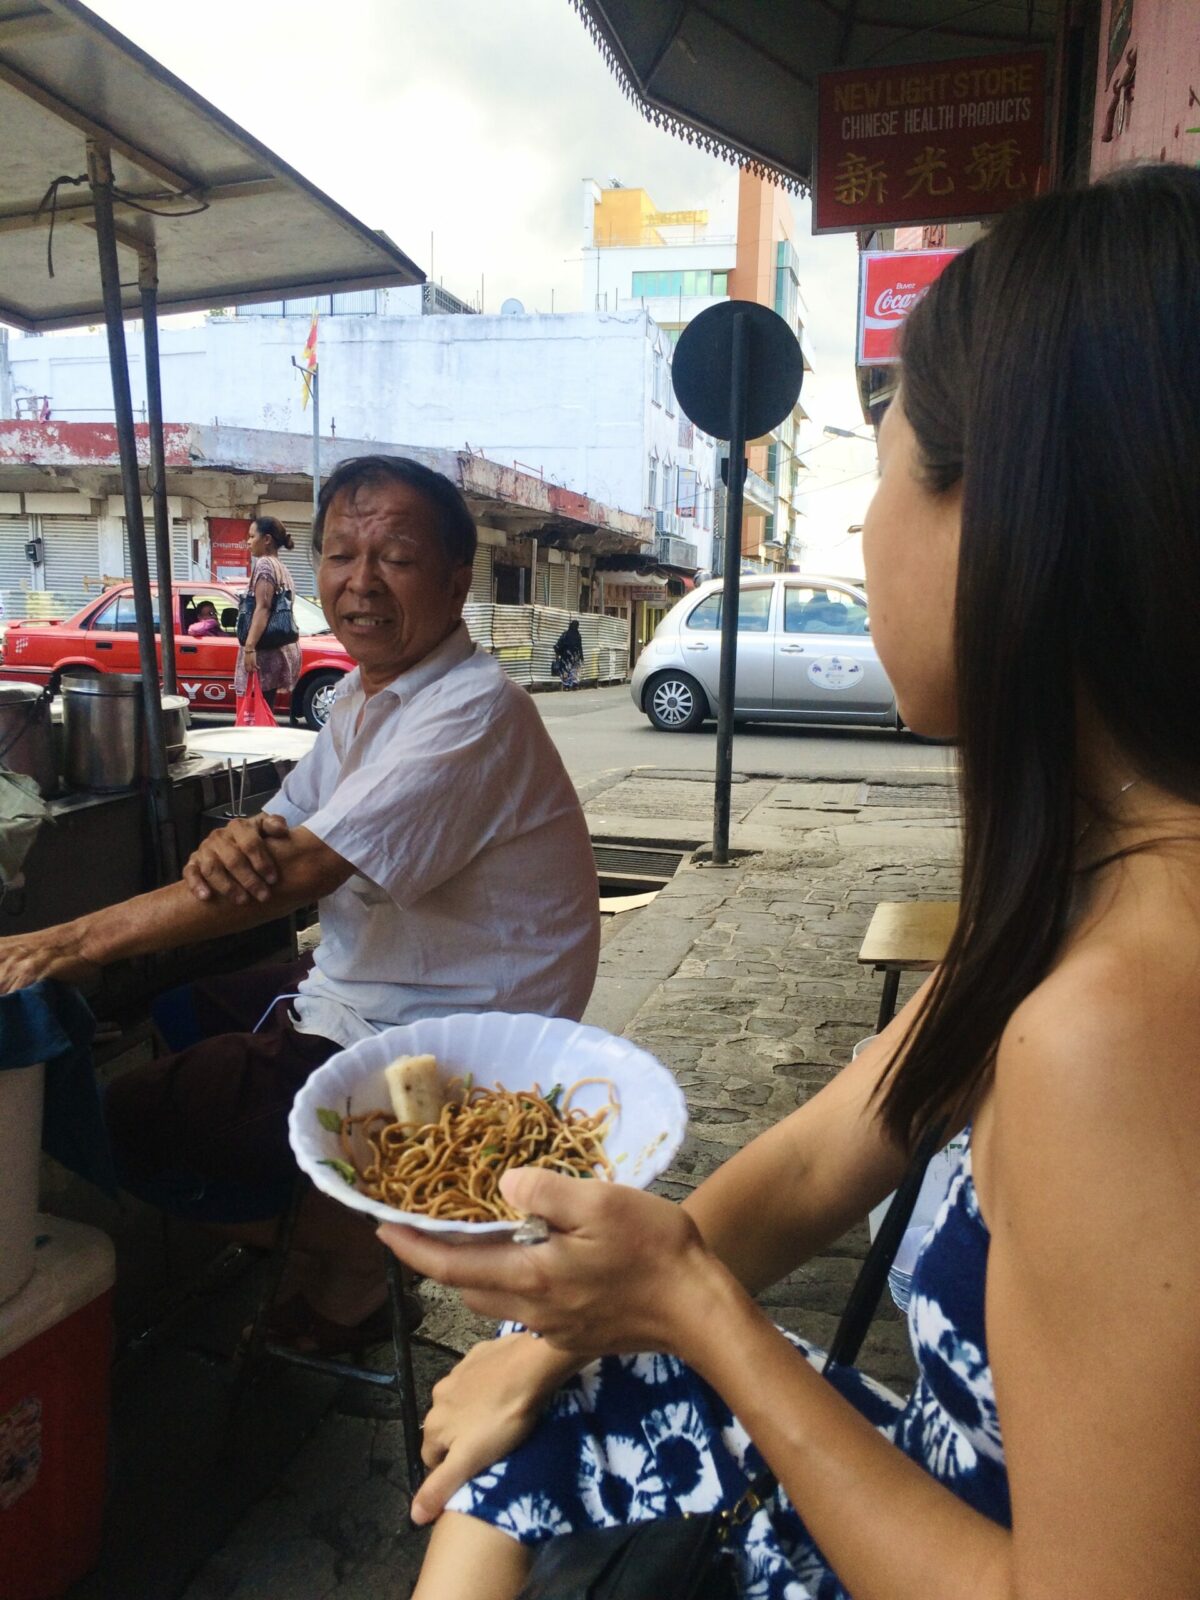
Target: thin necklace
(1124, 789)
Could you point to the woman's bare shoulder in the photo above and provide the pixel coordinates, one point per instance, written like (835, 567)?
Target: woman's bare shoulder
(1108, 1044)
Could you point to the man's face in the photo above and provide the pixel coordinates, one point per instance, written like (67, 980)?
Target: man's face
(384, 582)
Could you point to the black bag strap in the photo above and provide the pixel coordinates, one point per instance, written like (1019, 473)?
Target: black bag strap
(872, 1276)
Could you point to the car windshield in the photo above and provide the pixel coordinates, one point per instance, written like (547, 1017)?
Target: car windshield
(310, 618)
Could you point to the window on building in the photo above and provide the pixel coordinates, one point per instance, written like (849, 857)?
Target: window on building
(660, 285)
(658, 386)
(754, 612)
(773, 463)
(769, 528)
(787, 281)
(652, 485)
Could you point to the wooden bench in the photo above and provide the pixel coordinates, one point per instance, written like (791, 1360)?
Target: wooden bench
(905, 936)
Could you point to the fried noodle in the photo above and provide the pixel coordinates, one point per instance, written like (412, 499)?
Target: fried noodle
(452, 1168)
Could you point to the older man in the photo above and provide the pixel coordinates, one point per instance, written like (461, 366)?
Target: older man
(435, 824)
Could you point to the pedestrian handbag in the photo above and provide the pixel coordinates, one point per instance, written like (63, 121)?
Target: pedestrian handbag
(688, 1557)
(281, 625)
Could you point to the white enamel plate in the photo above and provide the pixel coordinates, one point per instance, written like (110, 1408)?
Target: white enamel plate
(496, 1048)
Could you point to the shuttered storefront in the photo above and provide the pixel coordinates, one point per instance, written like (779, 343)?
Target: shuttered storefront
(299, 561)
(73, 572)
(481, 576)
(181, 549)
(15, 532)
(556, 591)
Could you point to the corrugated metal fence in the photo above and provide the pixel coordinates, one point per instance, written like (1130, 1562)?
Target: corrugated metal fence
(522, 639)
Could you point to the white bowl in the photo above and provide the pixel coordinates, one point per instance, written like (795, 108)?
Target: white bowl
(516, 1052)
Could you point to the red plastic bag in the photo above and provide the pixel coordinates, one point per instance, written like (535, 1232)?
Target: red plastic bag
(252, 708)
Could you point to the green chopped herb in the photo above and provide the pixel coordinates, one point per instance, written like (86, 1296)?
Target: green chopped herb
(468, 1083)
(554, 1096)
(618, 1160)
(343, 1169)
(490, 1150)
(329, 1120)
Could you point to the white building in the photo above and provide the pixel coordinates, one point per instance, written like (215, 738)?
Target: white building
(582, 399)
(675, 265)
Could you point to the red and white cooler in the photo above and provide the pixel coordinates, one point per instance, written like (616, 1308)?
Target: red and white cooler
(55, 1352)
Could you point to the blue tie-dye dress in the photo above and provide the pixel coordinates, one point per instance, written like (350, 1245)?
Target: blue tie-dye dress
(635, 1437)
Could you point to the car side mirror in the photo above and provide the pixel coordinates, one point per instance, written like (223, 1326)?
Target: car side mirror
(866, 624)
(229, 619)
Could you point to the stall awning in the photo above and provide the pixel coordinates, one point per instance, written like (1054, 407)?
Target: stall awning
(740, 76)
(230, 221)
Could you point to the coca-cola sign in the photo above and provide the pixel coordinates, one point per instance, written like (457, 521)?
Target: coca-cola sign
(891, 283)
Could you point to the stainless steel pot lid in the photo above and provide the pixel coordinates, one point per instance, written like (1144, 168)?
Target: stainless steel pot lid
(108, 683)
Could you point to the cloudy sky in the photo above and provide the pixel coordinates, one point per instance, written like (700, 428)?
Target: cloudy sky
(466, 128)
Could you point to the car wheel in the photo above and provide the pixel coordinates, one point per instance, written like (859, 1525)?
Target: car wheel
(675, 703)
(316, 697)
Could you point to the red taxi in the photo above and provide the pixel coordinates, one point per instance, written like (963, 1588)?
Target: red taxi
(103, 638)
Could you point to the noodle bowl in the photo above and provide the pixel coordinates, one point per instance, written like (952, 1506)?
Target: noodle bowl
(452, 1168)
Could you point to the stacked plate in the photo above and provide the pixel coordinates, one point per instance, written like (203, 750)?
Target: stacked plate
(900, 1278)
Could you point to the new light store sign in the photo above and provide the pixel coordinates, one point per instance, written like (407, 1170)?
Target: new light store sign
(942, 141)
(889, 286)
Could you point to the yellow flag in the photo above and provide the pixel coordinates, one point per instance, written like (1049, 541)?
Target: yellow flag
(309, 359)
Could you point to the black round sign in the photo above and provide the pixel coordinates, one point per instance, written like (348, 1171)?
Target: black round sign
(702, 371)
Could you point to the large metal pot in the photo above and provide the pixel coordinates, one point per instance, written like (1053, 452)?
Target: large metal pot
(26, 738)
(104, 730)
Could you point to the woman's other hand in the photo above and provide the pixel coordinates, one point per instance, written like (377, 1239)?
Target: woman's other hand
(482, 1410)
(622, 1270)
(235, 862)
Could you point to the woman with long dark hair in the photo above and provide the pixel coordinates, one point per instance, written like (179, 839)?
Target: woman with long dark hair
(1033, 561)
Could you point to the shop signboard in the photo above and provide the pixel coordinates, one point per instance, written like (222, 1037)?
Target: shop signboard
(935, 141)
(890, 283)
(229, 556)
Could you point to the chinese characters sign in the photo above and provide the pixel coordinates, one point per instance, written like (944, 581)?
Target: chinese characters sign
(890, 284)
(929, 142)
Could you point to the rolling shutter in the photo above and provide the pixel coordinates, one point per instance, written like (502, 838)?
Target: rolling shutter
(299, 561)
(481, 576)
(181, 549)
(72, 571)
(15, 532)
(556, 592)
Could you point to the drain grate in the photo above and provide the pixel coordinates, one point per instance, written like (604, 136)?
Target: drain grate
(636, 861)
(939, 795)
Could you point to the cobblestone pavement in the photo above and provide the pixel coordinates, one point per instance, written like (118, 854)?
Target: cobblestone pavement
(744, 981)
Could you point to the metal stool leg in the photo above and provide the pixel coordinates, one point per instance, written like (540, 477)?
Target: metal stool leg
(256, 1346)
(401, 1378)
(887, 1000)
(400, 1279)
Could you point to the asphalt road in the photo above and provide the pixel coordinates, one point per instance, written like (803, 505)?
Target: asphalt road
(600, 730)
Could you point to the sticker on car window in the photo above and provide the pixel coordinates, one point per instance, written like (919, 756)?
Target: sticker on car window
(834, 672)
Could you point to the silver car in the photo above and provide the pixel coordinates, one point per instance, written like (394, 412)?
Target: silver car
(804, 655)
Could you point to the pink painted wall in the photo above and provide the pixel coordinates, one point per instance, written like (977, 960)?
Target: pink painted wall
(1166, 35)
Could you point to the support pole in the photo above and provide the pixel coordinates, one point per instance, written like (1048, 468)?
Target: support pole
(315, 384)
(99, 169)
(723, 781)
(148, 285)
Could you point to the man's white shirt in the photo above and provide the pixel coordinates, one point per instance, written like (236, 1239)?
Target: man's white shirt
(474, 886)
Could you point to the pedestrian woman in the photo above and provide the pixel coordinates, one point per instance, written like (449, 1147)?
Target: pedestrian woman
(568, 655)
(1035, 522)
(277, 668)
